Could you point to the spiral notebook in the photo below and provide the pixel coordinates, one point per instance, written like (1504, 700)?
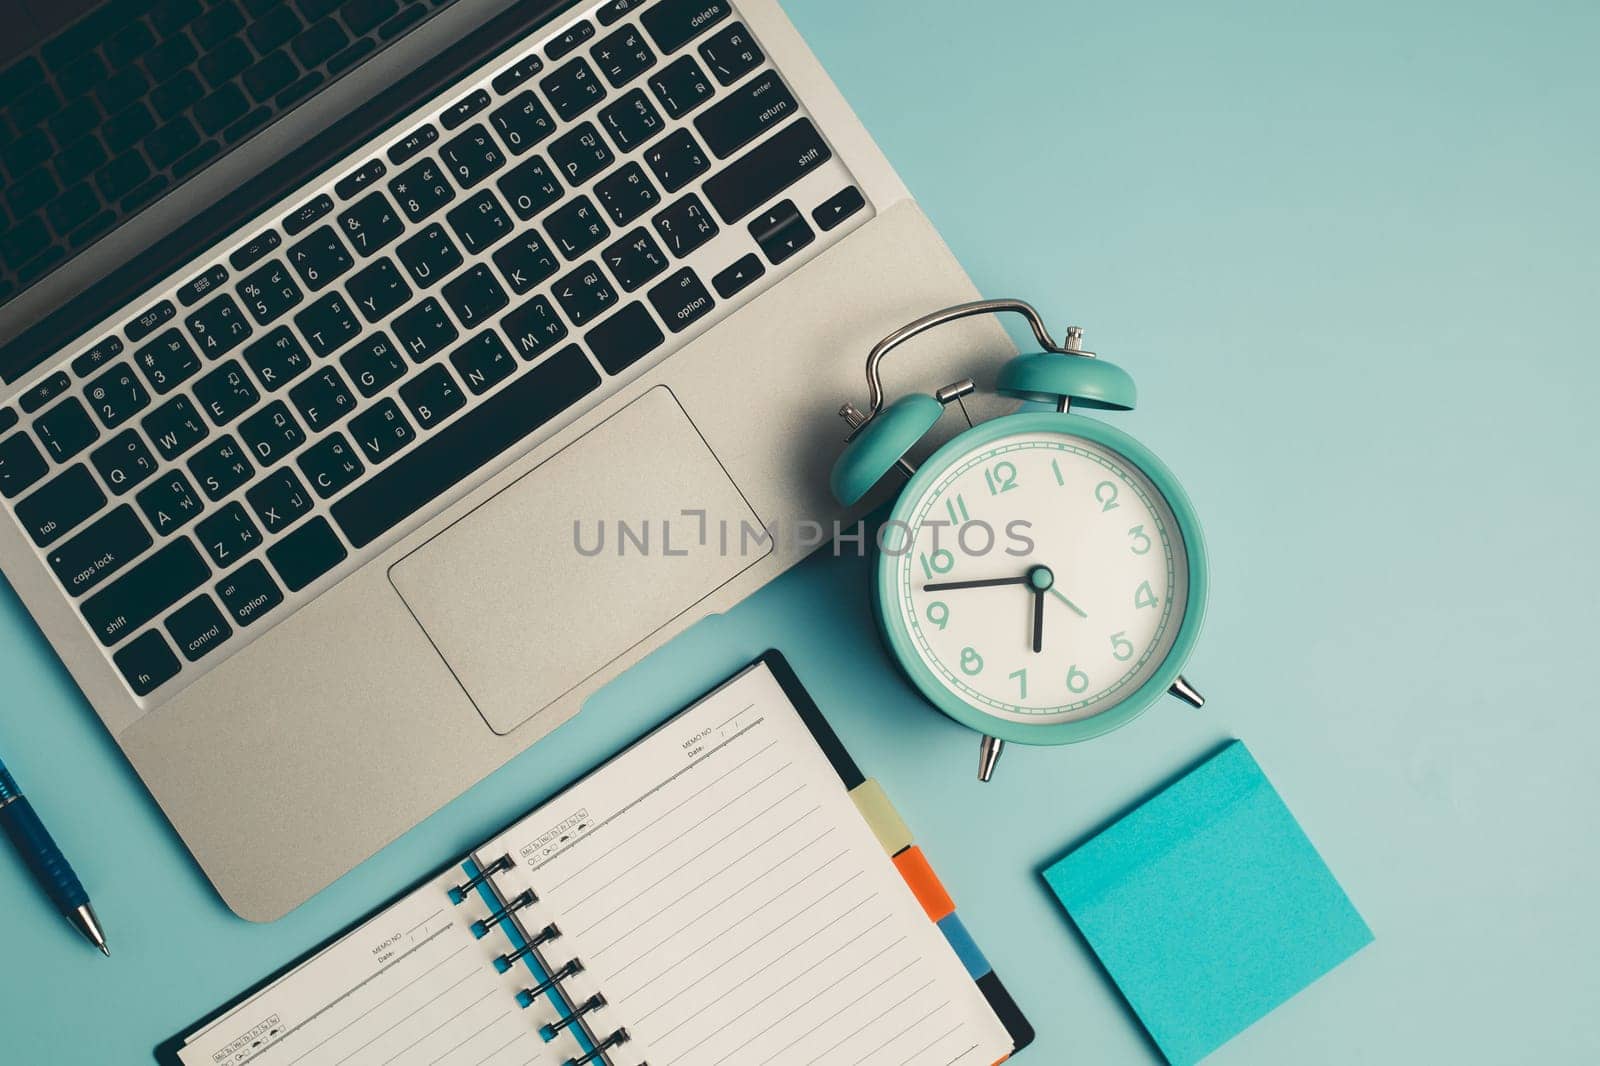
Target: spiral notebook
(728, 891)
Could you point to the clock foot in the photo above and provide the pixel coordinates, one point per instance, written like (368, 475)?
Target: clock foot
(988, 755)
(1187, 692)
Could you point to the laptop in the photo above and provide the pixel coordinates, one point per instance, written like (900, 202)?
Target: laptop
(443, 359)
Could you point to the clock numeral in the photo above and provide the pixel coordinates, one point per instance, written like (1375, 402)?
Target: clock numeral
(957, 510)
(1106, 493)
(939, 562)
(971, 661)
(1022, 682)
(1141, 540)
(1001, 477)
(1121, 646)
(938, 613)
(1145, 596)
(1077, 680)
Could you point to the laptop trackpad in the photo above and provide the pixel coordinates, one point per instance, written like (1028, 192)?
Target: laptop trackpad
(578, 560)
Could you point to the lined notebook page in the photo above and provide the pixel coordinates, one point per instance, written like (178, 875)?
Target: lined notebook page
(729, 901)
(410, 987)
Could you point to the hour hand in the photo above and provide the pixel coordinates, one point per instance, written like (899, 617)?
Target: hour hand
(989, 582)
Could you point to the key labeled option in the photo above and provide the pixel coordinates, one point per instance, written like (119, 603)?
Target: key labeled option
(681, 300)
(249, 592)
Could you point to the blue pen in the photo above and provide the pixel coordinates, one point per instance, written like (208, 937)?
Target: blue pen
(46, 861)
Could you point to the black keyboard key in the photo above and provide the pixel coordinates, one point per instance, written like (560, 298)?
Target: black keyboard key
(415, 142)
(330, 465)
(45, 391)
(223, 63)
(197, 627)
(129, 44)
(147, 663)
(173, 96)
(463, 109)
(313, 47)
(170, 16)
(585, 294)
(626, 194)
(166, 144)
(624, 338)
(80, 158)
(104, 547)
(370, 223)
(373, 364)
(838, 207)
(124, 462)
(322, 399)
(471, 156)
(618, 10)
(277, 359)
(516, 74)
(730, 53)
(378, 289)
(534, 327)
(631, 121)
(127, 127)
(525, 261)
(202, 286)
(677, 160)
(635, 259)
(269, 77)
(319, 258)
(432, 396)
(474, 295)
(580, 154)
(117, 395)
(622, 56)
(217, 111)
(255, 250)
(72, 208)
(761, 104)
(523, 122)
(781, 231)
(60, 505)
(217, 25)
(674, 23)
(65, 430)
(409, 16)
(685, 225)
(480, 222)
(381, 430)
(220, 467)
(129, 83)
(359, 180)
(269, 291)
(306, 554)
(414, 480)
(421, 190)
(23, 241)
(530, 188)
(576, 226)
(279, 500)
(572, 38)
(681, 300)
(169, 57)
(766, 170)
(9, 418)
(572, 89)
(169, 502)
(429, 256)
(249, 592)
(147, 323)
(328, 324)
(483, 362)
(228, 535)
(20, 465)
(297, 91)
(273, 28)
(120, 176)
(226, 393)
(271, 433)
(219, 326)
(681, 86)
(364, 15)
(424, 330)
(175, 427)
(196, 159)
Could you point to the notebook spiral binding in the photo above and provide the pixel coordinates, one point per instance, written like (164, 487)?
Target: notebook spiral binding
(576, 1017)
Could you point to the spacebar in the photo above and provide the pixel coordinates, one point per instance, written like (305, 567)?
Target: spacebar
(400, 490)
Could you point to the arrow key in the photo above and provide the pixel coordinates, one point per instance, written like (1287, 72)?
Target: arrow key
(739, 276)
(781, 231)
(838, 207)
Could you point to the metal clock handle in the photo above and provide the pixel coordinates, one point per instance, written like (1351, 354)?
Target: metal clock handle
(1070, 346)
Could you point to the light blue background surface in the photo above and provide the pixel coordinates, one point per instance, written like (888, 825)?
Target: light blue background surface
(1350, 255)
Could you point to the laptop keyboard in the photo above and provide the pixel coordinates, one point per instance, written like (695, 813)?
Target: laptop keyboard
(301, 396)
(137, 96)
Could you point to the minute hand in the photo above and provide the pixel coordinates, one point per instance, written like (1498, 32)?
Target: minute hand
(985, 583)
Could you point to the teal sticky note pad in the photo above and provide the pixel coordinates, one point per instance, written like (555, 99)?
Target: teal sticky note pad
(1208, 906)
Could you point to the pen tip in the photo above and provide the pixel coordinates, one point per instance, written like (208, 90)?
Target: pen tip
(105, 950)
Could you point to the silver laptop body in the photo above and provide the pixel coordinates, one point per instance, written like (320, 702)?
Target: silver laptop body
(446, 619)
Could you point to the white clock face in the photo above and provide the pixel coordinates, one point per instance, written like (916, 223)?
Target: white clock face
(1045, 579)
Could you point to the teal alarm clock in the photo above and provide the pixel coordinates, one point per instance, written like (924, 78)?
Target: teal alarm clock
(1041, 577)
